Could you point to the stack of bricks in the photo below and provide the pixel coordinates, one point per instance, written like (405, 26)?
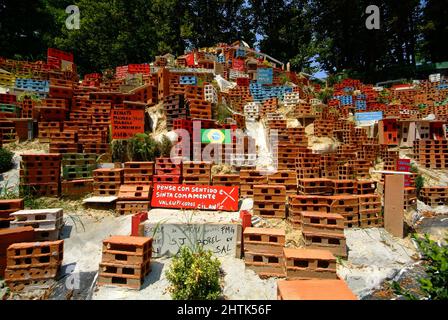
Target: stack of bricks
(100, 111)
(197, 173)
(315, 186)
(365, 186)
(323, 128)
(434, 196)
(167, 172)
(269, 201)
(126, 261)
(40, 174)
(249, 178)
(140, 173)
(47, 223)
(287, 178)
(286, 155)
(226, 180)
(431, 154)
(64, 142)
(77, 172)
(107, 182)
(309, 264)
(328, 166)
(263, 251)
(348, 207)
(45, 129)
(390, 160)
(302, 203)
(308, 165)
(296, 136)
(370, 211)
(252, 111)
(175, 108)
(94, 140)
(344, 186)
(6, 208)
(199, 109)
(9, 237)
(269, 106)
(8, 131)
(33, 263)
(323, 230)
(133, 199)
(27, 106)
(361, 168)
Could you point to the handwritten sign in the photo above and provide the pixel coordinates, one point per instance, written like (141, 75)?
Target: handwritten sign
(238, 64)
(221, 239)
(126, 123)
(265, 75)
(183, 196)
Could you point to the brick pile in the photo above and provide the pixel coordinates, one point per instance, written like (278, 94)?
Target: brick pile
(126, 261)
(40, 174)
(107, 181)
(33, 263)
(263, 251)
(77, 174)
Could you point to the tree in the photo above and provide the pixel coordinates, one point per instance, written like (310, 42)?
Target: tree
(434, 29)
(344, 42)
(23, 25)
(285, 30)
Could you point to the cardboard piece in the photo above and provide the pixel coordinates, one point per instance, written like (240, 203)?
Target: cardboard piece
(394, 204)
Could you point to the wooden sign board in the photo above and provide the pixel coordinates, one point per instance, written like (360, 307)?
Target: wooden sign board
(127, 123)
(182, 196)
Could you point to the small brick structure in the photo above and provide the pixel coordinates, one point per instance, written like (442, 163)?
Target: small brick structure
(33, 263)
(47, 223)
(196, 173)
(6, 208)
(138, 172)
(133, 199)
(126, 261)
(40, 174)
(263, 250)
(11, 236)
(107, 181)
(269, 201)
(167, 172)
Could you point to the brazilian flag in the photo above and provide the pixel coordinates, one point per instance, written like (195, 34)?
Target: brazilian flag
(216, 136)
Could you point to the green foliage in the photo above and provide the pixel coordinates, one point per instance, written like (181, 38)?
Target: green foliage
(222, 112)
(165, 146)
(6, 162)
(434, 285)
(119, 150)
(328, 34)
(194, 275)
(325, 94)
(142, 147)
(419, 183)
